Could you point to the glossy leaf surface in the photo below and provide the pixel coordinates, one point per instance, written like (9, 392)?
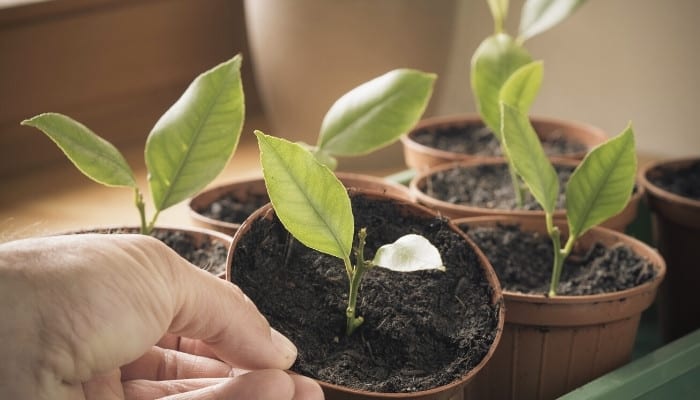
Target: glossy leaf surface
(602, 184)
(528, 157)
(521, 88)
(539, 15)
(312, 204)
(95, 157)
(494, 61)
(194, 140)
(409, 253)
(376, 113)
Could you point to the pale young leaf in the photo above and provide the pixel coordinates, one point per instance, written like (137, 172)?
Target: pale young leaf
(409, 253)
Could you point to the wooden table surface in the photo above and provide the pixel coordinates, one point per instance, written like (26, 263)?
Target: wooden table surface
(61, 198)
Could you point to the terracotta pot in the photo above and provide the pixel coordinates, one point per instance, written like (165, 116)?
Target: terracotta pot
(676, 233)
(552, 345)
(288, 38)
(256, 187)
(200, 236)
(421, 157)
(418, 190)
(451, 391)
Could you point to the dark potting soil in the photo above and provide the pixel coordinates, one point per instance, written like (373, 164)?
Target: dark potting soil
(234, 209)
(523, 263)
(422, 329)
(681, 181)
(209, 256)
(479, 140)
(487, 186)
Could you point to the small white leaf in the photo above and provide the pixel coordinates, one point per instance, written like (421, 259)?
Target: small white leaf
(409, 253)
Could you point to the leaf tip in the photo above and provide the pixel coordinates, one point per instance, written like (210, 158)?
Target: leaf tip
(32, 120)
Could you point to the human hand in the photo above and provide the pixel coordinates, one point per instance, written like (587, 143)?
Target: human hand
(81, 315)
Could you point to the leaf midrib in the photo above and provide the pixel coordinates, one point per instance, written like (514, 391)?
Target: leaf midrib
(336, 238)
(365, 115)
(178, 170)
(597, 190)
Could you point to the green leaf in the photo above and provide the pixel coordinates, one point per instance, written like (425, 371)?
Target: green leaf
(602, 184)
(494, 61)
(95, 157)
(192, 142)
(409, 253)
(539, 15)
(499, 11)
(521, 88)
(376, 113)
(528, 158)
(308, 198)
(326, 159)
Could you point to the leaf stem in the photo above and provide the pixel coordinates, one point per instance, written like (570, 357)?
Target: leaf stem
(152, 224)
(560, 253)
(555, 235)
(497, 25)
(355, 275)
(141, 206)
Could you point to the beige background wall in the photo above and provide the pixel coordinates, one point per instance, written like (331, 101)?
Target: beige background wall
(611, 62)
(116, 65)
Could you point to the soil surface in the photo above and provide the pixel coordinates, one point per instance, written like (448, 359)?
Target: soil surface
(234, 209)
(683, 181)
(209, 256)
(523, 263)
(479, 140)
(487, 186)
(422, 329)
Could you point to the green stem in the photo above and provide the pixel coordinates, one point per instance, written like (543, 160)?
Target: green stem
(498, 25)
(354, 322)
(141, 206)
(560, 253)
(555, 235)
(152, 224)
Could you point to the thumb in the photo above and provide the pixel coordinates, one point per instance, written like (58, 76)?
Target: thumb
(219, 314)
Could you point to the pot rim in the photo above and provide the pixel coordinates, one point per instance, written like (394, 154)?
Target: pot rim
(421, 196)
(656, 259)
(222, 237)
(472, 118)
(489, 273)
(658, 191)
(221, 190)
(193, 229)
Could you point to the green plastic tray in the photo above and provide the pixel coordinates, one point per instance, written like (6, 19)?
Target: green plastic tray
(670, 372)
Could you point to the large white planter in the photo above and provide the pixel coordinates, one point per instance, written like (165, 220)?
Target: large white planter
(307, 53)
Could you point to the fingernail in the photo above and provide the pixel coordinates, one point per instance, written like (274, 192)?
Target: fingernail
(237, 372)
(285, 346)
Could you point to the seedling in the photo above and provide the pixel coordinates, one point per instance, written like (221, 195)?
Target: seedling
(373, 115)
(186, 149)
(501, 54)
(599, 187)
(314, 206)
